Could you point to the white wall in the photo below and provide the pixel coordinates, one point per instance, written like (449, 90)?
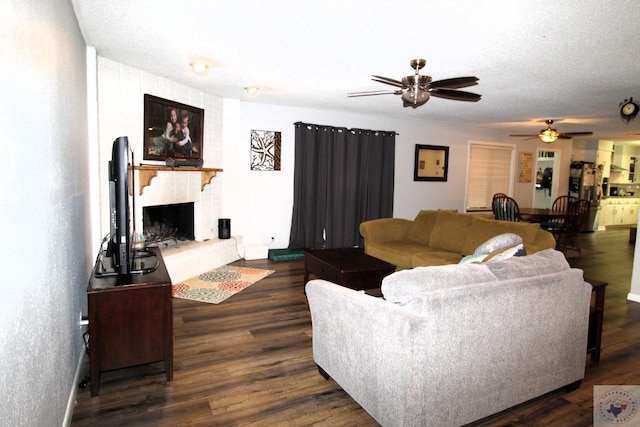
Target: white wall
(45, 252)
(259, 203)
(262, 201)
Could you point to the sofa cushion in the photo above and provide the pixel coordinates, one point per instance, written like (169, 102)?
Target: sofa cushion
(543, 262)
(450, 231)
(422, 226)
(483, 229)
(397, 252)
(402, 286)
(428, 257)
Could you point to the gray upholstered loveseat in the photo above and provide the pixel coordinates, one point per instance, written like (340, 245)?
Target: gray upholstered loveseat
(448, 345)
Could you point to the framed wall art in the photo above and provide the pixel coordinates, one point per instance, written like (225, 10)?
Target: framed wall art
(265, 150)
(172, 130)
(525, 167)
(431, 163)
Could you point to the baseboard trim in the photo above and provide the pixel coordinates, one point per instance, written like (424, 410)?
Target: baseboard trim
(633, 297)
(71, 404)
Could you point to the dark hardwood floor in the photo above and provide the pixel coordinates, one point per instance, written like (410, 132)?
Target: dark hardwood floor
(248, 360)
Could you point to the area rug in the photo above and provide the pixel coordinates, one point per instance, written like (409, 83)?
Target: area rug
(218, 284)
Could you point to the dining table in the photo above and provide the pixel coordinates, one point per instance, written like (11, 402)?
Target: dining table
(541, 214)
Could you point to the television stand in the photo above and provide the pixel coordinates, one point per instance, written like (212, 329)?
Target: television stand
(130, 321)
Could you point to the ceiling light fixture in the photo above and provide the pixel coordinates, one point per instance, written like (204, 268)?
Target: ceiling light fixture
(199, 67)
(251, 90)
(548, 135)
(416, 93)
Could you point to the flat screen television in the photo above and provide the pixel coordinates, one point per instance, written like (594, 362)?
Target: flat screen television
(118, 245)
(118, 258)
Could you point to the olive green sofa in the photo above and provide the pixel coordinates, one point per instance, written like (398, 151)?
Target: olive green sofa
(439, 237)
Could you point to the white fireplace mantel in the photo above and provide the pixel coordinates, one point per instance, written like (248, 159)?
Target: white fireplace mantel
(148, 172)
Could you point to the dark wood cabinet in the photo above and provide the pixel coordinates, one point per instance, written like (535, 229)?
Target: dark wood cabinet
(594, 340)
(130, 322)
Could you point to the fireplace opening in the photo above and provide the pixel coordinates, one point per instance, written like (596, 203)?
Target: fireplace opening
(166, 225)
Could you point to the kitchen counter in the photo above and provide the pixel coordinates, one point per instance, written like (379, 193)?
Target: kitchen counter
(631, 199)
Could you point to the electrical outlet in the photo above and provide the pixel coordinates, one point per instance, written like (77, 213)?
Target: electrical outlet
(84, 321)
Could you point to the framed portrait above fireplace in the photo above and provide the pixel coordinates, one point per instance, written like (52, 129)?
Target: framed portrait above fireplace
(172, 130)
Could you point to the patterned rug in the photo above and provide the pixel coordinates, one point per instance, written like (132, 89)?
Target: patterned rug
(219, 284)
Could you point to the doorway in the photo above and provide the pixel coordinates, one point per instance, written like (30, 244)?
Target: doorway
(546, 182)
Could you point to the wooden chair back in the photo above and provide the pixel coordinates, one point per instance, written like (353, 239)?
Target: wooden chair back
(563, 203)
(568, 239)
(505, 208)
(581, 212)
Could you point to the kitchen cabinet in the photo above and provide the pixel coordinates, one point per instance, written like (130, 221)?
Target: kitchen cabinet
(630, 214)
(619, 211)
(606, 215)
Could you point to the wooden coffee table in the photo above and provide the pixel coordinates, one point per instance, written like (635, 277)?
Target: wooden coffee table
(349, 267)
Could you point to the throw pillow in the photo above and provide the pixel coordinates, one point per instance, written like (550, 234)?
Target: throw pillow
(506, 253)
(483, 229)
(497, 249)
(501, 241)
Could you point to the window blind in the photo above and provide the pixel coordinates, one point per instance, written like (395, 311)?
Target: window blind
(489, 173)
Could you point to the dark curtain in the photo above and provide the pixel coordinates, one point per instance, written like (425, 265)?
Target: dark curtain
(342, 177)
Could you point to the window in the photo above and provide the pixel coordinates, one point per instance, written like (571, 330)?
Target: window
(490, 172)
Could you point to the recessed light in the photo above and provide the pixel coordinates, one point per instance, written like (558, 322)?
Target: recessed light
(199, 67)
(251, 90)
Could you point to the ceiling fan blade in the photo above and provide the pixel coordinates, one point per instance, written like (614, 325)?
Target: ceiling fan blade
(387, 80)
(455, 95)
(570, 134)
(526, 137)
(454, 83)
(373, 92)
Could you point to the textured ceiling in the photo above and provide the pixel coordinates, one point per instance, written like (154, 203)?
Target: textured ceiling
(574, 60)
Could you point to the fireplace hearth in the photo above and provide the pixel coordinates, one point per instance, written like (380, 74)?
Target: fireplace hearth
(166, 225)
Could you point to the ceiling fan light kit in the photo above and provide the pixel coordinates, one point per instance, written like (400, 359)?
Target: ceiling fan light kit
(417, 89)
(549, 135)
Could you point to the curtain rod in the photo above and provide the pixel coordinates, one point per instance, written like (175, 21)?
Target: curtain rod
(344, 128)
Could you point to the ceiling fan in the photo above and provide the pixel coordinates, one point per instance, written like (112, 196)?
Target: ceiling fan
(417, 89)
(550, 135)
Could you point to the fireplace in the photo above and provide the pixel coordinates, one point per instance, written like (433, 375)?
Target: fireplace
(165, 225)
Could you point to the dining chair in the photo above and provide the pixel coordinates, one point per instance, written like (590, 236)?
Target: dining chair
(505, 208)
(560, 204)
(569, 238)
